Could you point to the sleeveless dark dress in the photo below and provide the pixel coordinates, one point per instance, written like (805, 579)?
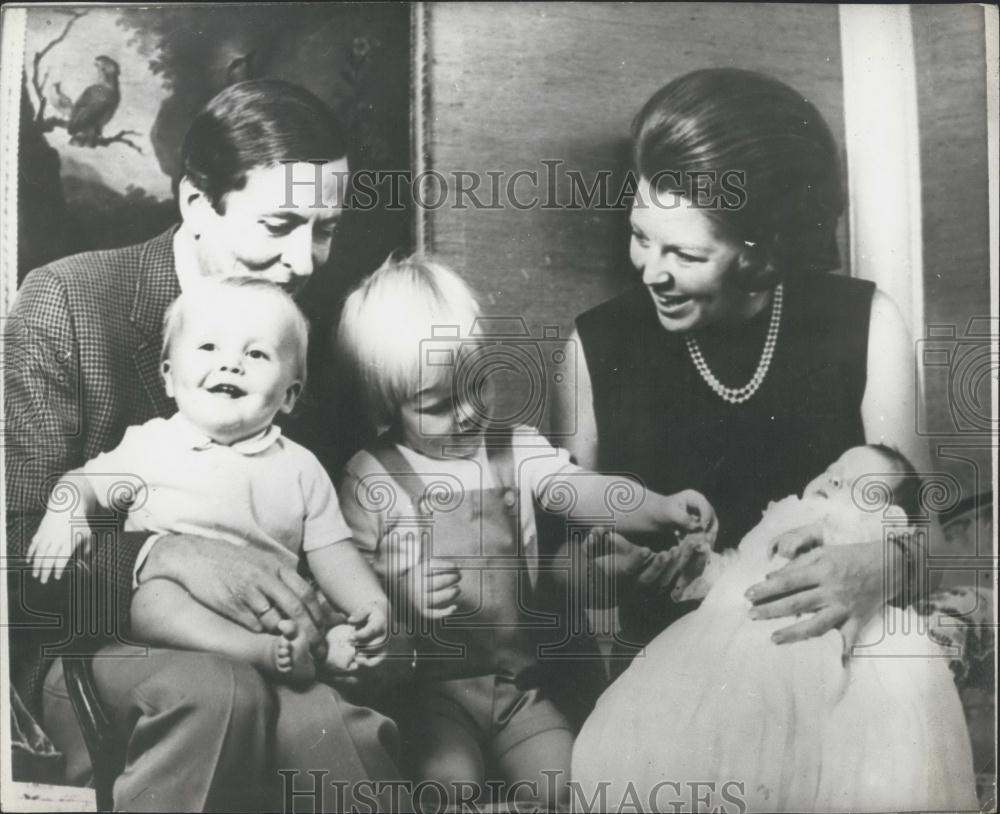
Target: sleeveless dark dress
(660, 422)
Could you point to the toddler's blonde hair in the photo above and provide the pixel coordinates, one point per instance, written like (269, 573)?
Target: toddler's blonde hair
(386, 324)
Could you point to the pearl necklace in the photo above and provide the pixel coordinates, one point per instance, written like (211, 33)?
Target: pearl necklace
(738, 395)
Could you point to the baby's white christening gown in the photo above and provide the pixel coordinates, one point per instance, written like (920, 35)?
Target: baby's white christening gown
(714, 700)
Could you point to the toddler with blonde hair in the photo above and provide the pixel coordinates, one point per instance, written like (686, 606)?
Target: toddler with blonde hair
(443, 503)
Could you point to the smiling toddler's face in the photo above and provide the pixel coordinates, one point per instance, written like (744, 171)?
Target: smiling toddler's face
(232, 366)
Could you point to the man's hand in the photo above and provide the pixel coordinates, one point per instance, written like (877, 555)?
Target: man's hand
(840, 585)
(252, 588)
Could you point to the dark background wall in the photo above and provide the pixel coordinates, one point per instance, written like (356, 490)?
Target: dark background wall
(510, 87)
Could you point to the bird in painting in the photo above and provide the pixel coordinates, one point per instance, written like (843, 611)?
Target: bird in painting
(96, 105)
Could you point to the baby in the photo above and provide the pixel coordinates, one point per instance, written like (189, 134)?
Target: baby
(234, 357)
(446, 496)
(791, 727)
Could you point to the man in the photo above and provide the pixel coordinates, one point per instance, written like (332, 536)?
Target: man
(82, 365)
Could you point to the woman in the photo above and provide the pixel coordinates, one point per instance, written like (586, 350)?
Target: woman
(738, 368)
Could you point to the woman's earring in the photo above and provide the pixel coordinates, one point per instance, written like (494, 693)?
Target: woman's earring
(197, 236)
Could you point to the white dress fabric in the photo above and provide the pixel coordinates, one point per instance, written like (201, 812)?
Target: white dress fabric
(784, 727)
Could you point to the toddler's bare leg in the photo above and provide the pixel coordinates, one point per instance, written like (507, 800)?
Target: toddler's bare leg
(164, 614)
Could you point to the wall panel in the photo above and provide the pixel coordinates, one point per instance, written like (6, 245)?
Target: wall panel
(949, 46)
(511, 86)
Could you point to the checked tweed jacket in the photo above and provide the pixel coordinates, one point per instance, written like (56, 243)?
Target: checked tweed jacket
(82, 349)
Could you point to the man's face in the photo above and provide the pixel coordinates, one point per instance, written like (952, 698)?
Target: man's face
(256, 235)
(232, 365)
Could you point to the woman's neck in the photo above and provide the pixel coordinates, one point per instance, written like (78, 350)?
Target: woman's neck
(753, 312)
(755, 303)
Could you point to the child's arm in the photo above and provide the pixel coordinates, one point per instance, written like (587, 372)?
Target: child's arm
(346, 579)
(551, 476)
(431, 587)
(686, 511)
(58, 536)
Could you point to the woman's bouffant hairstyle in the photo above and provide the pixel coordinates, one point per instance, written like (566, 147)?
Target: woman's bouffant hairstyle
(258, 123)
(386, 330)
(711, 122)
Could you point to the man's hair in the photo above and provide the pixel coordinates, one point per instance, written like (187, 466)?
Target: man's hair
(284, 307)
(905, 494)
(258, 123)
(387, 319)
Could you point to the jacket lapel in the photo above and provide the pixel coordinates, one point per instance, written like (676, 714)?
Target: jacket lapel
(156, 287)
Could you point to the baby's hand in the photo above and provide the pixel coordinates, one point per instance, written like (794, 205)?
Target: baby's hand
(690, 512)
(797, 541)
(340, 654)
(54, 544)
(371, 629)
(433, 586)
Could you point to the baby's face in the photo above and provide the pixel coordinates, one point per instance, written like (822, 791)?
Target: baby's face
(232, 367)
(837, 483)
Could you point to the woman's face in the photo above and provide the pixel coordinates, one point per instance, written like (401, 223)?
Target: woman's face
(688, 266)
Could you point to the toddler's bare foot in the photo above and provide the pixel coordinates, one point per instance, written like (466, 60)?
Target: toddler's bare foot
(292, 661)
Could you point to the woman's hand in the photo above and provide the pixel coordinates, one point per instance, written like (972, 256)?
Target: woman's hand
(612, 558)
(840, 585)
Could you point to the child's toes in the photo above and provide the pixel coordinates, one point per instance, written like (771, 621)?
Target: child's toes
(282, 654)
(288, 629)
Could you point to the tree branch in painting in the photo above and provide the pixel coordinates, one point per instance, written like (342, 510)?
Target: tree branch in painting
(46, 125)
